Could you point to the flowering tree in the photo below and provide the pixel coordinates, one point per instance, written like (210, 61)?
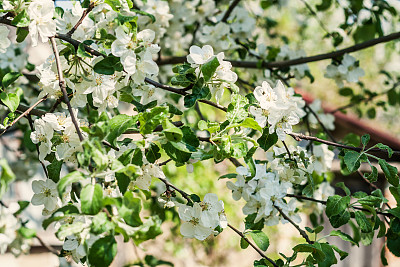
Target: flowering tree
(119, 98)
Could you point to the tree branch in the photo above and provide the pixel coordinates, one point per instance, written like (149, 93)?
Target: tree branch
(63, 88)
(84, 14)
(301, 231)
(297, 137)
(229, 10)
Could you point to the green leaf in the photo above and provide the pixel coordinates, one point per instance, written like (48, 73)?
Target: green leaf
(325, 4)
(152, 153)
(343, 236)
(317, 252)
(390, 172)
(11, 100)
(68, 179)
(243, 243)
(114, 4)
(108, 66)
(91, 199)
(344, 187)
(21, 19)
(336, 205)
(171, 132)
(346, 91)
(151, 119)
(118, 125)
(54, 170)
(23, 204)
(267, 140)
(123, 182)
(177, 151)
(27, 232)
(352, 160)
(9, 78)
(21, 34)
(209, 68)
(7, 176)
(69, 229)
(236, 110)
(81, 52)
(252, 124)
(101, 224)
(103, 251)
(130, 209)
(152, 261)
(373, 176)
(153, 19)
(342, 254)
(260, 238)
(365, 139)
(340, 219)
(389, 150)
(363, 222)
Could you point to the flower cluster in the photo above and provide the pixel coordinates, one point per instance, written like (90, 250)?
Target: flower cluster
(200, 220)
(348, 70)
(263, 193)
(41, 20)
(223, 74)
(136, 53)
(279, 107)
(10, 237)
(56, 133)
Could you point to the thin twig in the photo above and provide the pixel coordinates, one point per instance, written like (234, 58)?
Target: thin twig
(26, 112)
(252, 245)
(320, 123)
(301, 231)
(183, 193)
(297, 137)
(229, 10)
(324, 203)
(48, 247)
(84, 14)
(287, 149)
(63, 87)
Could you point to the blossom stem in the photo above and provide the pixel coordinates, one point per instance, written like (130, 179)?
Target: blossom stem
(301, 231)
(84, 14)
(63, 87)
(183, 193)
(48, 247)
(229, 10)
(252, 245)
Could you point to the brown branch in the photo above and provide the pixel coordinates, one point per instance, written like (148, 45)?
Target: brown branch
(25, 113)
(324, 203)
(320, 122)
(183, 193)
(84, 14)
(297, 61)
(252, 245)
(229, 10)
(63, 87)
(297, 137)
(48, 247)
(301, 231)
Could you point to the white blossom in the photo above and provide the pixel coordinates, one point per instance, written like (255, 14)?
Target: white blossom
(41, 15)
(4, 41)
(45, 194)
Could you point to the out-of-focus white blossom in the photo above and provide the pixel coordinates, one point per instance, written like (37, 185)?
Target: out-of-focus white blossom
(42, 24)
